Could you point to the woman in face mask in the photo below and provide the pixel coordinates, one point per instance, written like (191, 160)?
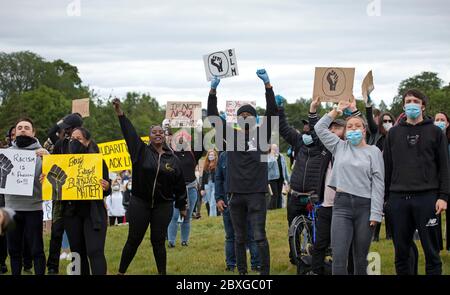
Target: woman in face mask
(114, 205)
(358, 179)
(208, 179)
(278, 175)
(442, 121)
(85, 221)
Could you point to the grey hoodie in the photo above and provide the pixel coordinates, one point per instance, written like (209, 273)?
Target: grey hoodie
(28, 203)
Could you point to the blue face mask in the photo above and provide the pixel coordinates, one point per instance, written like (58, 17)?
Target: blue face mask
(307, 139)
(440, 125)
(412, 110)
(354, 136)
(347, 112)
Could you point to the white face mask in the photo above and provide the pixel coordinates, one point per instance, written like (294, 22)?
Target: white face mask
(116, 187)
(129, 187)
(211, 157)
(387, 126)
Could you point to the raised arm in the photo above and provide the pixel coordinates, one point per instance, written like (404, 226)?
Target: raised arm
(373, 128)
(328, 138)
(134, 142)
(212, 105)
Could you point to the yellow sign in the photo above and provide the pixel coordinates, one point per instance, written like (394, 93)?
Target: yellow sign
(115, 154)
(72, 177)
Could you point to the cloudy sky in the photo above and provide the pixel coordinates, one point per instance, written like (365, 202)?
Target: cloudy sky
(157, 46)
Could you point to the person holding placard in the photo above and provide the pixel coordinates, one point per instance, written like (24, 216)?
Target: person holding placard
(28, 209)
(247, 166)
(158, 183)
(358, 179)
(85, 221)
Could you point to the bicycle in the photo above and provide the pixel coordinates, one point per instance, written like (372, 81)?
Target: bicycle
(302, 236)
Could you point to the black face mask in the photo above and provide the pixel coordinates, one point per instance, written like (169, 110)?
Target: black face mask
(76, 147)
(24, 141)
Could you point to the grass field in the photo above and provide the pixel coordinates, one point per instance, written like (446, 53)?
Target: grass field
(205, 253)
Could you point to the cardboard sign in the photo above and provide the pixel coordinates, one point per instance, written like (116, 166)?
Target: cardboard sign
(334, 84)
(17, 169)
(72, 177)
(221, 64)
(47, 207)
(183, 113)
(115, 153)
(81, 106)
(232, 107)
(367, 86)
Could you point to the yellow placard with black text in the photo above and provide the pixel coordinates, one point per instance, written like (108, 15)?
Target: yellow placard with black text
(72, 177)
(115, 154)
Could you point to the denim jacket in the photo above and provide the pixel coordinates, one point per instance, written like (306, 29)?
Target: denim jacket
(273, 171)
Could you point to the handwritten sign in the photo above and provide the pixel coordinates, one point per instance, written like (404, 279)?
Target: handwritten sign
(183, 114)
(221, 64)
(334, 84)
(72, 177)
(232, 106)
(367, 86)
(81, 106)
(17, 169)
(115, 154)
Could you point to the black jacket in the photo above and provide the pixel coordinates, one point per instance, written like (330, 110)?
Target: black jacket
(148, 165)
(247, 170)
(188, 161)
(207, 175)
(416, 159)
(307, 170)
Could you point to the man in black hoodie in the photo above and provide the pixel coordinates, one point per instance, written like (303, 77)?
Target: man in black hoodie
(247, 177)
(417, 183)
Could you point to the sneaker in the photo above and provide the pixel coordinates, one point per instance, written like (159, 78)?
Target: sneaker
(3, 269)
(171, 245)
(311, 273)
(230, 268)
(184, 244)
(63, 256)
(256, 268)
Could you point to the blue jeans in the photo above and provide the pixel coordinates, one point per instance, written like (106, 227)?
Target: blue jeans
(186, 225)
(210, 198)
(230, 254)
(65, 242)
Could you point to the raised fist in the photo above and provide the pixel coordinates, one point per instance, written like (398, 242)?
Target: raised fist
(332, 79)
(217, 62)
(57, 178)
(5, 168)
(117, 108)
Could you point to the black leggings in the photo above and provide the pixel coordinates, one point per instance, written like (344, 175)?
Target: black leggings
(88, 242)
(141, 215)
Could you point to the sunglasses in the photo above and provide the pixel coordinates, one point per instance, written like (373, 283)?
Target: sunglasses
(387, 121)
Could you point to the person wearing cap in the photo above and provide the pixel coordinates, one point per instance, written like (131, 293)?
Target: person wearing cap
(248, 169)
(58, 142)
(417, 183)
(306, 172)
(325, 211)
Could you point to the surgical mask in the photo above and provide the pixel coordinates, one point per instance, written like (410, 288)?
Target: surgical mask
(129, 186)
(354, 136)
(307, 139)
(387, 126)
(441, 125)
(116, 187)
(211, 157)
(412, 110)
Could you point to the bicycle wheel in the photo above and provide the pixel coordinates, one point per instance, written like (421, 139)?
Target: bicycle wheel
(300, 237)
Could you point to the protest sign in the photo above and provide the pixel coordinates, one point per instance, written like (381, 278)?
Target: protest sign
(221, 64)
(17, 169)
(367, 86)
(81, 106)
(115, 154)
(232, 107)
(72, 177)
(183, 113)
(333, 84)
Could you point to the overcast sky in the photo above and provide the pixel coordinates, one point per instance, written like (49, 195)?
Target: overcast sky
(157, 46)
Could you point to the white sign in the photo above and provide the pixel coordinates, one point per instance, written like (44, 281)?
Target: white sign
(17, 169)
(183, 113)
(222, 64)
(232, 107)
(47, 207)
